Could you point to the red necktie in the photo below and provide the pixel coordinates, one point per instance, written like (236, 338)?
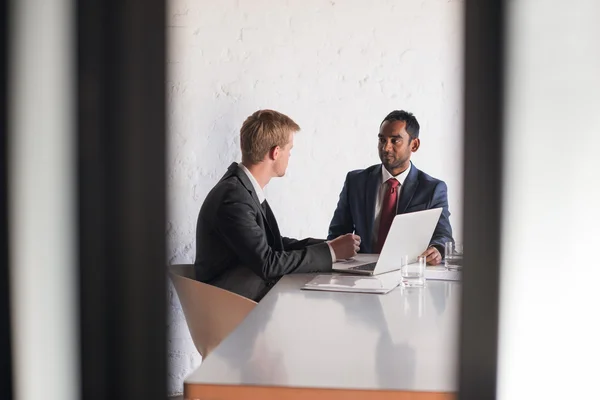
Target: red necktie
(388, 212)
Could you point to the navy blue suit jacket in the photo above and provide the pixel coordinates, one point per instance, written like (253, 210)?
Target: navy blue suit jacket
(355, 212)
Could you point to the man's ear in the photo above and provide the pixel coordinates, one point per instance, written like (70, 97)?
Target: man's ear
(415, 144)
(274, 153)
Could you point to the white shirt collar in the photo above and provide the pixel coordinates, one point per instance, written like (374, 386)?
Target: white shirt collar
(385, 175)
(257, 189)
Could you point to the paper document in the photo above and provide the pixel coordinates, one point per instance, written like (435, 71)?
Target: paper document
(442, 274)
(355, 283)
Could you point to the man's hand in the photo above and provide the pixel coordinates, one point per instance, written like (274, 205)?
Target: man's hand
(433, 256)
(345, 246)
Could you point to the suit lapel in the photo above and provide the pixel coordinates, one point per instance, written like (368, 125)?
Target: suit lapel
(373, 184)
(234, 169)
(408, 190)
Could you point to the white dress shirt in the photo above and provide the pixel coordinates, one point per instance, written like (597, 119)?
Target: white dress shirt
(261, 198)
(385, 176)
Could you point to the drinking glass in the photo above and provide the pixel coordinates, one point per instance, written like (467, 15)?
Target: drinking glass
(413, 275)
(453, 256)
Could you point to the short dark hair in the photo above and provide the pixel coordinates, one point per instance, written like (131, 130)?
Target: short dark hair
(412, 125)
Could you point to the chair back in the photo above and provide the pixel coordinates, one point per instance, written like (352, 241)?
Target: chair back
(211, 313)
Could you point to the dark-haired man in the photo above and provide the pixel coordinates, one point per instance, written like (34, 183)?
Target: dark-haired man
(371, 197)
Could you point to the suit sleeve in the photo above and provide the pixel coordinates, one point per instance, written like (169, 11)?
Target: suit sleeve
(236, 222)
(294, 244)
(342, 222)
(443, 230)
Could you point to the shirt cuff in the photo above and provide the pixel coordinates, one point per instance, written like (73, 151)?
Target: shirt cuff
(333, 259)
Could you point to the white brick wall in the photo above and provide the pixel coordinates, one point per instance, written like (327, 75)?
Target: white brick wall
(337, 68)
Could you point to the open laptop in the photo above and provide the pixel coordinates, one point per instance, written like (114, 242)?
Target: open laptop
(409, 235)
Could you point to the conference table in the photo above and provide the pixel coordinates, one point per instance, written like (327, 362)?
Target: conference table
(300, 344)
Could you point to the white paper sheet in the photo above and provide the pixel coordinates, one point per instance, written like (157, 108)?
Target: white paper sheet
(441, 274)
(355, 283)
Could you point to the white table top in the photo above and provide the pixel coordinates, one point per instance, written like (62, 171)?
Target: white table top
(404, 340)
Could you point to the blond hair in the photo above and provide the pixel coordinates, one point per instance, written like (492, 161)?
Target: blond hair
(262, 131)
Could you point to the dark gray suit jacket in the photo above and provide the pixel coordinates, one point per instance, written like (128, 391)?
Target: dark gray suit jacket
(238, 244)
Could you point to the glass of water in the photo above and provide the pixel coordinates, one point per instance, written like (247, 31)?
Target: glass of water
(453, 256)
(413, 275)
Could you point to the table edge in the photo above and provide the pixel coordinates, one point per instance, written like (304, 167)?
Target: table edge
(199, 391)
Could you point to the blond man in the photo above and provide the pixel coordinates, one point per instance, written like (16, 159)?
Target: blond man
(238, 244)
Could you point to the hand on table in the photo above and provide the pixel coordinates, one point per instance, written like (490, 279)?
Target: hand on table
(433, 256)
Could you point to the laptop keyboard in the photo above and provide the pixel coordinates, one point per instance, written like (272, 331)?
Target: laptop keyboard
(365, 267)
